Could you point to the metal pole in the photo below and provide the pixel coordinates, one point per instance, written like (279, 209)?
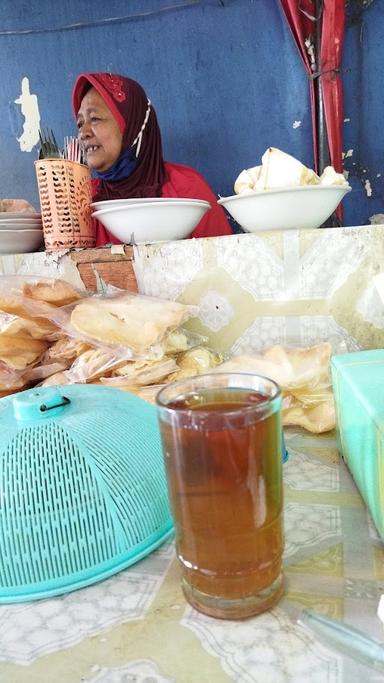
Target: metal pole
(323, 159)
(322, 143)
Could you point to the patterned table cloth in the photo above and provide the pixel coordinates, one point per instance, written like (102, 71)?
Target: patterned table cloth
(279, 287)
(137, 628)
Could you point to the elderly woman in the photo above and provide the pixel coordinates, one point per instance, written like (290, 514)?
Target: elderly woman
(121, 137)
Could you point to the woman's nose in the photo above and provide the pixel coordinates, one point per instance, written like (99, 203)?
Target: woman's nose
(85, 131)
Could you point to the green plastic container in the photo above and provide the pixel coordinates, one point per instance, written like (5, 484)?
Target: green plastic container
(82, 488)
(358, 383)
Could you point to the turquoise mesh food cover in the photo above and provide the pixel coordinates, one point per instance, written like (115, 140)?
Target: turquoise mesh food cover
(82, 488)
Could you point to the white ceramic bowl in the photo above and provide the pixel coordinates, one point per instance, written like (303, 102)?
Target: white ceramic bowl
(153, 221)
(6, 215)
(20, 241)
(110, 203)
(21, 224)
(288, 208)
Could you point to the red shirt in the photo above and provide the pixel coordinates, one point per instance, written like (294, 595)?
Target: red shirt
(183, 182)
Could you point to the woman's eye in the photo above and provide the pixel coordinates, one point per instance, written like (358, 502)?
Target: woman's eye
(94, 119)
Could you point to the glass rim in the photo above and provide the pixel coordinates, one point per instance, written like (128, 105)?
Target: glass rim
(257, 407)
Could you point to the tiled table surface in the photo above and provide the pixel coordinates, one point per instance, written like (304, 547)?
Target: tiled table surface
(137, 628)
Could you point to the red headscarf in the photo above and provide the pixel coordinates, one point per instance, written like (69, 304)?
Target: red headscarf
(129, 105)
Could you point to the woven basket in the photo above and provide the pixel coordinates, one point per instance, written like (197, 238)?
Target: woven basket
(65, 198)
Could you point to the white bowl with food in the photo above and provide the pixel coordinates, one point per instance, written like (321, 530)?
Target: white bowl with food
(152, 221)
(110, 203)
(287, 208)
(20, 241)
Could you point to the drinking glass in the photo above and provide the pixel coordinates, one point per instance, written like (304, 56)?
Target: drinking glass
(222, 446)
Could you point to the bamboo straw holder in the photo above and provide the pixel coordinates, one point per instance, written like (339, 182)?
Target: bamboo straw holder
(65, 199)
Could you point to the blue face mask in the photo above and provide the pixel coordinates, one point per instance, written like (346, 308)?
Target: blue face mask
(121, 169)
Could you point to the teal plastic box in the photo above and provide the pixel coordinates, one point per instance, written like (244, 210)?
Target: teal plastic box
(358, 384)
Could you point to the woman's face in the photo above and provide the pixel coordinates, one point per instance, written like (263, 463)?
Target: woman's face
(99, 132)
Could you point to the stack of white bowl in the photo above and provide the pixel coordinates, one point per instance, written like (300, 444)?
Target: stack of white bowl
(20, 233)
(152, 219)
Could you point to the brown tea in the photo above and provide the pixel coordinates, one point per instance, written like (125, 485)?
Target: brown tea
(223, 457)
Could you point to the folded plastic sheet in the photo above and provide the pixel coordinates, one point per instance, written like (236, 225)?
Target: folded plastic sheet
(294, 288)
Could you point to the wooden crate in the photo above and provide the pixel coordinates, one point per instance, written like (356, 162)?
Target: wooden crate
(113, 268)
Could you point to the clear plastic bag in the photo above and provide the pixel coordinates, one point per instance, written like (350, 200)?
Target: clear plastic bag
(196, 361)
(94, 363)
(129, 320)
(13, 326)
(116, 319)
(42, 372)
(149, 373)
(10, 378)
(303, 374)
(313, 417)
(147, 393)
(21, 352)
(65, 350)
(181, 340)
(36, 302)
(122, 320)
(53, 291)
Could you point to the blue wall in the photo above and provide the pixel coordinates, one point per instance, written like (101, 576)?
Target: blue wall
(225, 78)
(363, 77)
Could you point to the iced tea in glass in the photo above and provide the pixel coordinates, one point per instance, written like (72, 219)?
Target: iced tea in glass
(222, 444)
